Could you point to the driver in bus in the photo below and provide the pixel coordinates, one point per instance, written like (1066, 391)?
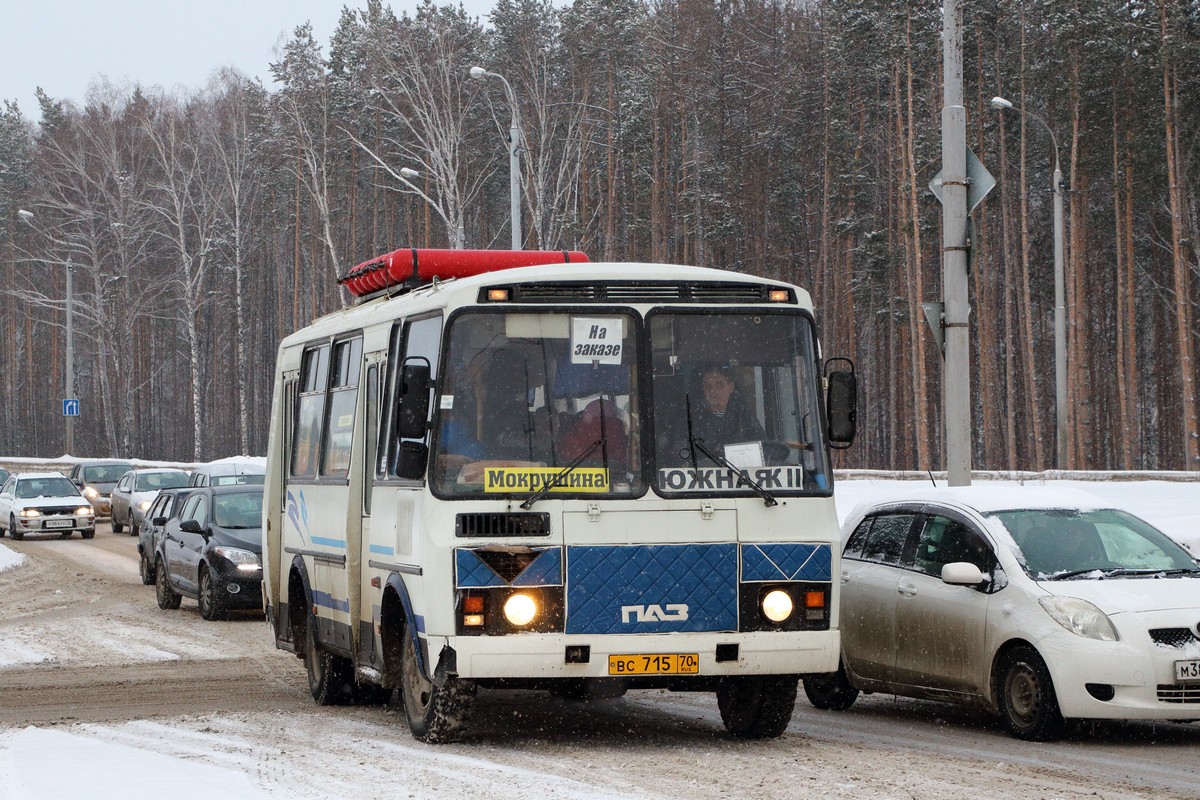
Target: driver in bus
(724, 417)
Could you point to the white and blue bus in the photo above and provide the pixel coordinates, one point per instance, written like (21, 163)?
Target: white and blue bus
(578, 477)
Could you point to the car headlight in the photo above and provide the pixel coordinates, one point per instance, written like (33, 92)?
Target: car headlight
(244, 560)
(29, 513)
(85, 511)
(1080, 617)
(520, 610)
(142, 506)
(90, 493)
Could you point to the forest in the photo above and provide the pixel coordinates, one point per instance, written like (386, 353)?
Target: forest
(792, 139)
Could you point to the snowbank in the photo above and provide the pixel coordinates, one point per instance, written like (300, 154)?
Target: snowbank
(9, 559)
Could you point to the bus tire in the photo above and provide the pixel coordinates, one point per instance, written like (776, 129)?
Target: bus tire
(330, 677)
(436, 714)
(832, 692)
(758, 706)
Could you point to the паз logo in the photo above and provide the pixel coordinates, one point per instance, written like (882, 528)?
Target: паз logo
(676, 612)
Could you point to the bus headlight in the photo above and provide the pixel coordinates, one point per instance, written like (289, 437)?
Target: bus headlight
(777, 605)
(520, 610)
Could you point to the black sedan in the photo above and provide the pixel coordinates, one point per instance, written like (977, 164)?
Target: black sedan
(212, 551)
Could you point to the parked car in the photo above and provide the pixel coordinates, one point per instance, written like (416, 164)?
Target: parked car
(44, 502)
(136, 490)
(212, 551)
(230, 471)
(164, 507)
(1038, 604)
(96, 480)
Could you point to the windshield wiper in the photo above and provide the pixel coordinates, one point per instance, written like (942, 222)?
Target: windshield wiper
(558, 479)
(695, 444)
(1123, 571)
(1062, 576)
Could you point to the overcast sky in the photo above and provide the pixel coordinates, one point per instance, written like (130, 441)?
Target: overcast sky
(64, 45)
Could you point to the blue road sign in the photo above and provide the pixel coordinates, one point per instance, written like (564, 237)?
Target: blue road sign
(70, 408)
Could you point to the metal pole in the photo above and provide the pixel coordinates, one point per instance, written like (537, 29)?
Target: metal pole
(514, 173)
(957, 366)
(70, 366)
(1060, 319)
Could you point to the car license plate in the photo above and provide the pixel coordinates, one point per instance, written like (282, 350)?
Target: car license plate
(58, 523)
(1187, 670)
(654, 664)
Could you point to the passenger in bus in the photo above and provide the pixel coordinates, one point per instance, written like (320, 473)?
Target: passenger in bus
(599, 419)
(723, 417)
(506, 429)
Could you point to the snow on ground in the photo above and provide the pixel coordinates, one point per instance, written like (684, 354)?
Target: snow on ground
(9, 559)
(127, 761)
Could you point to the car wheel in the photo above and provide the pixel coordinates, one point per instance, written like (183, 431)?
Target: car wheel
(133, 531)
(145, 570)
(13, 530)
(168, 598)
(1028, 703)
(88, 534)
(832, 692)
(435, 714)
(212, 604)
(330, 677)
(757, 707)
(116, 526)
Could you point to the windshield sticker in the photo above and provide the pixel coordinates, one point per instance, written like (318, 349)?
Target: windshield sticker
(596, 340)
(720, 479)
(447, 402)
(532, 479)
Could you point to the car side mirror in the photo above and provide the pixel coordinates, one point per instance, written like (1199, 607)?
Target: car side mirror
(191, 526)
(841, 403)
(160, 521)
(962, 573)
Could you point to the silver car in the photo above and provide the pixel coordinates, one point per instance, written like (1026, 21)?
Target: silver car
(136, 490)
(1039, 604)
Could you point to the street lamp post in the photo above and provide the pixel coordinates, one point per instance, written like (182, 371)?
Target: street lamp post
(69, 367)
(1060, 294)
(514, 154)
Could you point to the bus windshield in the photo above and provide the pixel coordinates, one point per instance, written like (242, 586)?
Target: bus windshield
(534, 398)
(736, 389)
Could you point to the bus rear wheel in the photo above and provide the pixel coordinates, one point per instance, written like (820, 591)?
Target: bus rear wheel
(330, 677)
(435, 714)
(758, 706)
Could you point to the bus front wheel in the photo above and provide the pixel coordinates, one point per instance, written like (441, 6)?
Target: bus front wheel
(436, 714)
(757, 706)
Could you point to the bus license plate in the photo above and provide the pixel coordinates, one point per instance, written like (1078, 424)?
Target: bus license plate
(58, 523)
(1187, 670)
(655, 664)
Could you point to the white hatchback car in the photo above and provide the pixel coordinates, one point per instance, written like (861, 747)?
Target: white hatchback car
(45, 502)
(1040, 604)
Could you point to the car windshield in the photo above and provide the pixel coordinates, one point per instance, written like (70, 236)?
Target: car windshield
(153, 481)
(240, 510)
(104, 473)
(1066, 543)
(46, 487)
(736, 388)
(533, 397)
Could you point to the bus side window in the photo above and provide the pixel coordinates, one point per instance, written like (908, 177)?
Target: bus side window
(422, 340)
(340, 409)
(310, 411)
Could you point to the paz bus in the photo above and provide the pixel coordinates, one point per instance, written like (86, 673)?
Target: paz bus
(506, 469)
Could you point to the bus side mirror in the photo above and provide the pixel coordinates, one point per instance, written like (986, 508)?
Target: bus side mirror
(841, 403)
(411, 460)
(413, 401)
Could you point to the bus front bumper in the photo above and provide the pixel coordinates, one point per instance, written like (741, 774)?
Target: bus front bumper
(539, 656)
